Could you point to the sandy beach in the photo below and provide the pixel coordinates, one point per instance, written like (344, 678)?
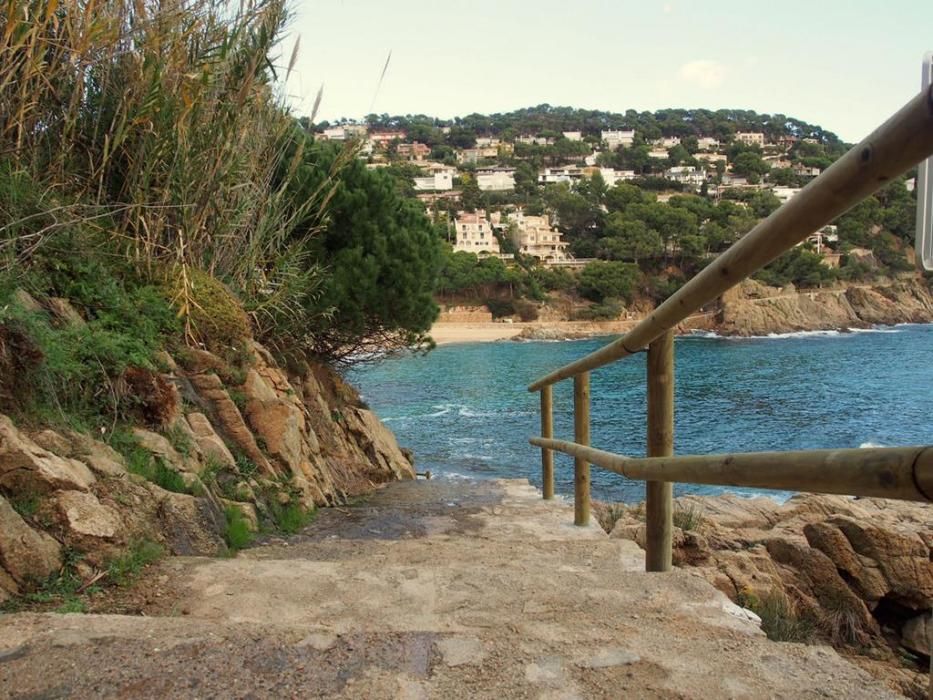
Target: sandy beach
(449, 333)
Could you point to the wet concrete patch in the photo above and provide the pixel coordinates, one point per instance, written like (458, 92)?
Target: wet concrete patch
(404, 510)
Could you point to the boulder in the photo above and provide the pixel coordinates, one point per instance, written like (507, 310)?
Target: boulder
(160, 447)
(84, 517)
(208, 441)
(63, 312)
(27, 555)
(54, 442)
(247, 509)
(228, 418)
(99, 456)
(27, 468)
(191, 526)
(917, 634)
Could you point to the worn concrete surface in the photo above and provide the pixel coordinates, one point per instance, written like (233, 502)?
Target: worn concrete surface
(428, 590)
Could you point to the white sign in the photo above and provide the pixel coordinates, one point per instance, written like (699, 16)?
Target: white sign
(925, 190)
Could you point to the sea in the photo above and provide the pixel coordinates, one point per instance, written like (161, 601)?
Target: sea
(465, 412)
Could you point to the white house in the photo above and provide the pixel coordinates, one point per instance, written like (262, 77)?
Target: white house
(566, 174)
(611, 176)
(667, 142)
(535, 140)
(708, 143)
(658, 153)
(616, 139)
(686, 174)
(474, 233)
(785, 193)
(439, 181)
(500, 179)
(573, 135)
(486, 141)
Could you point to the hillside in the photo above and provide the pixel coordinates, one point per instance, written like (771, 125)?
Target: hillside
(620, 209)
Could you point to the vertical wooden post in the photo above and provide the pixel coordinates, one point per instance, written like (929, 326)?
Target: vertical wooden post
(547, 431)
(659, 494)
(581, 435)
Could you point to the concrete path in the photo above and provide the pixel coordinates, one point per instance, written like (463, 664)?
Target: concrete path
(429, 590)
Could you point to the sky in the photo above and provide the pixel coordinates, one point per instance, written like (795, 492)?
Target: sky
(845, 65)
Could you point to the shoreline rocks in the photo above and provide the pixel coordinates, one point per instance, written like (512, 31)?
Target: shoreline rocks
(857, 572)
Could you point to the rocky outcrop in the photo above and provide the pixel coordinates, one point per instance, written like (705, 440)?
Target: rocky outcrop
(858, 571)
(26, 555)
(256, 438)
(752, 309)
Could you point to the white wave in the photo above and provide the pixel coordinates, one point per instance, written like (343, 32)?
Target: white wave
(453, 476)
(875, 329)
(828, 333)
(869, 444)
(478, 458)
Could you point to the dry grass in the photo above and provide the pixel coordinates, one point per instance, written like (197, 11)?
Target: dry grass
(161, 123)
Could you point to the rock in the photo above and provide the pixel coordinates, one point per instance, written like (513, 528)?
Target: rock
(54, 442)
(64, 312)
(99, 456)
(229, 420)
(27, 555)
(380, 445)
(279, 422)
(903, 560)
(84, 516)
(161, 447)
(191, 526)
(208, 440)
(27, 301)
(27, 468)
(917, 634)
(8, 587)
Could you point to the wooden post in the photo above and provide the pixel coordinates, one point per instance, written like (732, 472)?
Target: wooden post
(581, 435)
(547, 430)
(659, 494)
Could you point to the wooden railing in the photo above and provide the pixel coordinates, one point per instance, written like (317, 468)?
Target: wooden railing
(901, 472)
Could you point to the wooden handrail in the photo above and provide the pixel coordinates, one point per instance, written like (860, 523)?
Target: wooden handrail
(897, 145)
(904, 473)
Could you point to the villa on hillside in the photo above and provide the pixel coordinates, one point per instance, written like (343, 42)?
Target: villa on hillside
(438, 181)
(708, 143)
(474, 234)
(616, 139)
(751, 138)
(533, 235)
(413, 151)
(496, 179)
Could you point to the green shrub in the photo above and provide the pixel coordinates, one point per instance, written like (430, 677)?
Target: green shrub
(141, 461)
(179, 439)
(291, 517)
(779, 617)
(238, 533)
(688, 518)
(127, 566)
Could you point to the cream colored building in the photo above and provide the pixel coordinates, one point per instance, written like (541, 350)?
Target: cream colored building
(751, 138)
(474, 234)
(534, 235)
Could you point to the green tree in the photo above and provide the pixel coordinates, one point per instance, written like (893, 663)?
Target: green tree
(381, 255)
(600, 281)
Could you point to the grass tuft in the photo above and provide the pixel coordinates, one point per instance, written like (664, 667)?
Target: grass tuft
(780, 620)
(688, 518)
(238, 533)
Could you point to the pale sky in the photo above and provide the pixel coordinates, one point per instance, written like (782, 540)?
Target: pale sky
(843, 64)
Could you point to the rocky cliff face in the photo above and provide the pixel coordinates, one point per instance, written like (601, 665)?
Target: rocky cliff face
(752, 308)
(855, 572)
(257, 440)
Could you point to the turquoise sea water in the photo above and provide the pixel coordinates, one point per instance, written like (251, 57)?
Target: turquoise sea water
(465, 411)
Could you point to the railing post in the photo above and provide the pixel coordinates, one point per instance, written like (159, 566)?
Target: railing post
(547, 431)
(659, 494)
(581, 435)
